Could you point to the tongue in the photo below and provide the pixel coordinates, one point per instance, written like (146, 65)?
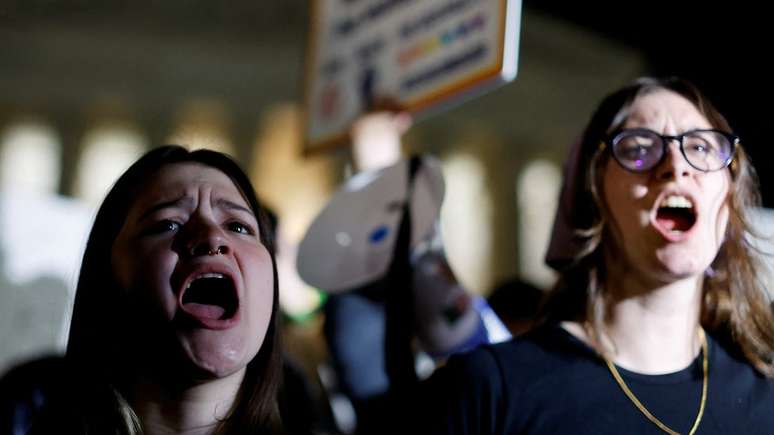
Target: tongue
(675, 220)
(209, 298)
(204, 311)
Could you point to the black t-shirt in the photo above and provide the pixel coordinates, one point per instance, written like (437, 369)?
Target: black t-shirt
(549, 382)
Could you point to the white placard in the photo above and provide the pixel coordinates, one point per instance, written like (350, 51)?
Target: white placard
(422, 54)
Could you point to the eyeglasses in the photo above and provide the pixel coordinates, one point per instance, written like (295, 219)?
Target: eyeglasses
(641, 149)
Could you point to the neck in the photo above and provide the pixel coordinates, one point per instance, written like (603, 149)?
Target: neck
(194, 409)
(652, 327)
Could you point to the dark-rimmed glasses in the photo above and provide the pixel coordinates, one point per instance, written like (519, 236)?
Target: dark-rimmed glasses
(641, 149)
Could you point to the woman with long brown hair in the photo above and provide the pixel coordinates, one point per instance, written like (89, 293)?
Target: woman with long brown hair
(660, 321)
(175, 326)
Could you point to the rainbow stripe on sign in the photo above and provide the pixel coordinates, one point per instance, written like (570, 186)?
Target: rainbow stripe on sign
(429, 45)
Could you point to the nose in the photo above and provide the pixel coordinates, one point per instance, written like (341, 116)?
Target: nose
(673, 165)
(204, 238)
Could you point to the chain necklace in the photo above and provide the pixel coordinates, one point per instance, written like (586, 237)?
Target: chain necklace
(651, 417)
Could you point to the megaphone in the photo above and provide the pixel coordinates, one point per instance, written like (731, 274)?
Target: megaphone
(351, 241)
(352, 244)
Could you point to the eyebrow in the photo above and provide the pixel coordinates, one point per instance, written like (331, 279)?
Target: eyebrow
(230, 205)
(187, 201)
(181, 202)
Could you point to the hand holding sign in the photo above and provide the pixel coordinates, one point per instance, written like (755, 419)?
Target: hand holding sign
(427, 55)
(376, 139)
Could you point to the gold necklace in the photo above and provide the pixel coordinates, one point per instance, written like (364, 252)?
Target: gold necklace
(651, 417)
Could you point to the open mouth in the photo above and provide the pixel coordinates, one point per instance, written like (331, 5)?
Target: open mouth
(210, 296)
(676, 214)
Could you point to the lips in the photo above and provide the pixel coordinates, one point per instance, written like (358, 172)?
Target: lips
(209, 296)
(675, 215)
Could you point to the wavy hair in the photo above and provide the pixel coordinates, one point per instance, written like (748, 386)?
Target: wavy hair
(735, 301)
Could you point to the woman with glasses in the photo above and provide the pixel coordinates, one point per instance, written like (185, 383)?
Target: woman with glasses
(660, 322)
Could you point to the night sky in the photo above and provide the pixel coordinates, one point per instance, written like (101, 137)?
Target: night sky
(723, 47)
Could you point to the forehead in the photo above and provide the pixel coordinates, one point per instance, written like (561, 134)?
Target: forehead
(180, 179)
(662, 108)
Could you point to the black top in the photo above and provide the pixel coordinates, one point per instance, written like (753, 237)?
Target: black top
(549, 382)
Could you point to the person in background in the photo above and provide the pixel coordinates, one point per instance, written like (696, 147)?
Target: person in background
(355, 322)
(660, 322)
(28, 389)
(517, 303)
(415, 315)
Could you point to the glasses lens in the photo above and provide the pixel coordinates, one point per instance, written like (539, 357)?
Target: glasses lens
(637, 150)
(707, 150)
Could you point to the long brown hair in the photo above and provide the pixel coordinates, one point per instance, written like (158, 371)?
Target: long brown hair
(735, 301)
(99, 328)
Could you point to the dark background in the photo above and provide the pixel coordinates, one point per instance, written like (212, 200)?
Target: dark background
(723, 47)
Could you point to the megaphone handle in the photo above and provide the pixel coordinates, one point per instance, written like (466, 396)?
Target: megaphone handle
(399, 312)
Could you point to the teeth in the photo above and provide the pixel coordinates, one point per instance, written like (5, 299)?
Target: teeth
(206, 275)
(677, 201)
(210, 275)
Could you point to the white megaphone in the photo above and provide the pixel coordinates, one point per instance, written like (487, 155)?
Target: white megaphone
(351, 244)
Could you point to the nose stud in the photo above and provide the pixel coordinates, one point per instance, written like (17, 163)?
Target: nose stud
(206, 250)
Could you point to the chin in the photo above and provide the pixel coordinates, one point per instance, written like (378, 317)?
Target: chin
(677, 264)
(212, 356)
(214, 366)
(210, 370)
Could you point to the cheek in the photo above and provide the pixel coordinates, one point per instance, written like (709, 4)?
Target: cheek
(259, 279)
(718, 207)
(261, 285)
(721, 225)
(122, 265)
(623, 194)
(721, 211)
(139, 265)
(144, 272)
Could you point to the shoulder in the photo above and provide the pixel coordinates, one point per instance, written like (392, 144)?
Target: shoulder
(492, 387)
(727, 359)
(727, 356)
(32, 392)
(549, 344)
(546, 355)
(740, 397)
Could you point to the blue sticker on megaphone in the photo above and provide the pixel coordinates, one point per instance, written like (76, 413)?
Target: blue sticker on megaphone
(378, 234)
